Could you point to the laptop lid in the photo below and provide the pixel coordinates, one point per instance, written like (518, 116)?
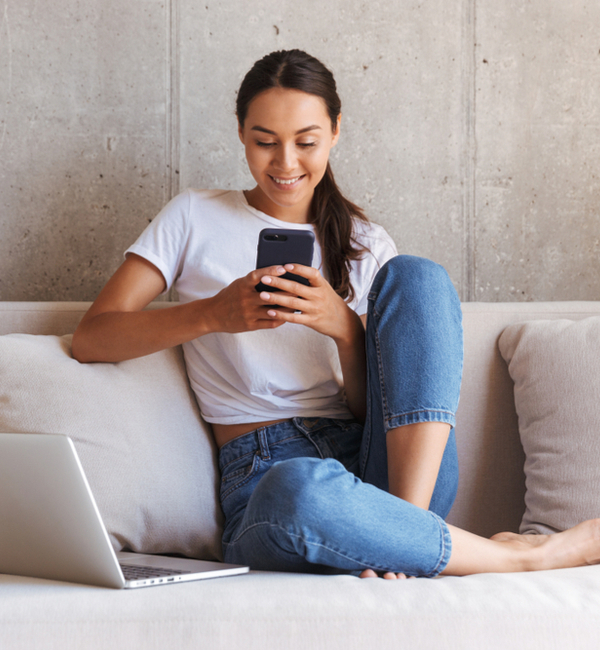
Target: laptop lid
(51, 526)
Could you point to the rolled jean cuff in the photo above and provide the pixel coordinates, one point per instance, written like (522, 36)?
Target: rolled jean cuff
(415, 417)
(445, 548)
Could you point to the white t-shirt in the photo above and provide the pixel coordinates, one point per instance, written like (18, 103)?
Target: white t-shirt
(201, 242)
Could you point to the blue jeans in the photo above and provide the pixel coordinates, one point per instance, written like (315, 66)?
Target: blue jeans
(310, 494)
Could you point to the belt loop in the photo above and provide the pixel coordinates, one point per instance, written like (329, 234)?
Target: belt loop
(263, 444)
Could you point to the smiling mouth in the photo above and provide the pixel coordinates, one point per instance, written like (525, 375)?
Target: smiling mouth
(286, 181)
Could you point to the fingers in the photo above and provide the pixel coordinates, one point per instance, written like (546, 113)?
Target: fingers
(296, 288)
(308, 272)
(272, 271)
(288, 309)
(289, 298)
(285, 303)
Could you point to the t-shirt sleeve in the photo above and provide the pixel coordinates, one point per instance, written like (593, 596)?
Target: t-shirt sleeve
(164, 240)
(380, 249)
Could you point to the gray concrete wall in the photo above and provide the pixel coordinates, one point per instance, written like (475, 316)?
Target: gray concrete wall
(470, 130)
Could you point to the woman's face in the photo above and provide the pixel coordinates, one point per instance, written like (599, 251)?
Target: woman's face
(288, 137)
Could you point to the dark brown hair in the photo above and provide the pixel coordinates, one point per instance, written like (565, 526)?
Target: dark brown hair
(331, 213)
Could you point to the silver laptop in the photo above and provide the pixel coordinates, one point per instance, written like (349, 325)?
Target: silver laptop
(50, 526)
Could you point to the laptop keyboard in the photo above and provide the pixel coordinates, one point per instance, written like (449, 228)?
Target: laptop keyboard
(137, 572)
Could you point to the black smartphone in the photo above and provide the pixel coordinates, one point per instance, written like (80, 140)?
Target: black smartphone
(278, 246)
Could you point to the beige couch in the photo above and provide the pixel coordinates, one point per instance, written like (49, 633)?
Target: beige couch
(165, 501)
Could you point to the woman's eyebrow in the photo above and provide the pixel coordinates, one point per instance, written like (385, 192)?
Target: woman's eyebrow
(304, 130)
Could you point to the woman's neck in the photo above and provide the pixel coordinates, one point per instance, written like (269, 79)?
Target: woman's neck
(291, 214)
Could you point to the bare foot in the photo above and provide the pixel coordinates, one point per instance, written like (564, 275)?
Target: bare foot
(578, 546)
(531, 539)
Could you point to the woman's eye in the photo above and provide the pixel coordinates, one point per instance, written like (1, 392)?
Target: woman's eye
(307, 144)
(265, 144)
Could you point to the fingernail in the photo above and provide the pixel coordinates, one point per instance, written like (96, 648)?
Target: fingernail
(266, 280)
(265, 296)
(289, 267)
(272, 313)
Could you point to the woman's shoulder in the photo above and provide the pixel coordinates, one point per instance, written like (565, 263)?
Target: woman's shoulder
(368, 228)
(192, 208)
(200, 196)
(191, 205)
(373, 237)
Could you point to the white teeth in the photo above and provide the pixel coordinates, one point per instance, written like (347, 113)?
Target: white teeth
(281, 181)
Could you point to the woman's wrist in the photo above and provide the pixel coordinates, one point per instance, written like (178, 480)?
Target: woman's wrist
(351, 333)
(202, 319)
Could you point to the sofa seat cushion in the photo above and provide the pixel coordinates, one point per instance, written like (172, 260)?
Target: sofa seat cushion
(148, 455)
(556, 375)
(520, 611)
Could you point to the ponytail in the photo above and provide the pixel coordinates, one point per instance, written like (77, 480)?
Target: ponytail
(333, 216)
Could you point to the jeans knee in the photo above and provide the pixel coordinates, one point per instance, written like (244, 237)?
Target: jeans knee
(410, 272)
(295, 487)
(417, 283)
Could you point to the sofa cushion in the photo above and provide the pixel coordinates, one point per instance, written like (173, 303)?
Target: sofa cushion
(543, 610)
(148, 456)
(554, 366)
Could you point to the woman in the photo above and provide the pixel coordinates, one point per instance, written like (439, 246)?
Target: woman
(332, 404)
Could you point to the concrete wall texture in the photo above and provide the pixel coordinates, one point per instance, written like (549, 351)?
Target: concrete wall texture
(470, 130)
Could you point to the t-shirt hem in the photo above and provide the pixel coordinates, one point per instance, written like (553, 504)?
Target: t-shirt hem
(267, 417)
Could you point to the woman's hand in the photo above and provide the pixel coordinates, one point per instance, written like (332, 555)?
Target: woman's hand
(317, 306)
(240, 308)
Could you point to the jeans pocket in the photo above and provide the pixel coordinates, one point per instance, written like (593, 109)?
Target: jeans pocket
(338, 439)
(237, 474)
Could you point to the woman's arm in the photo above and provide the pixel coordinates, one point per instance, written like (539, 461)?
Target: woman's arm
(353, 360)
(115, 328)
(324, 311)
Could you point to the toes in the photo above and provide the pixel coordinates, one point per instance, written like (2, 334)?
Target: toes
(388, 575)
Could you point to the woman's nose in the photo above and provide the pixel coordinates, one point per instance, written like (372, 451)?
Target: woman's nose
(286, 158)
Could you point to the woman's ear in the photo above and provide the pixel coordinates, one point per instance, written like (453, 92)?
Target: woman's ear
(241, 133)
(336, 133)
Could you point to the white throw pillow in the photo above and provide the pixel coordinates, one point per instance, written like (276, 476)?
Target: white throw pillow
(148, 456)
(556, 371)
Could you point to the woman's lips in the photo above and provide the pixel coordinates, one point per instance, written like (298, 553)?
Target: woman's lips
(286, 183)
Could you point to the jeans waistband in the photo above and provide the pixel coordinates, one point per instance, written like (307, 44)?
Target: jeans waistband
(260, 439)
